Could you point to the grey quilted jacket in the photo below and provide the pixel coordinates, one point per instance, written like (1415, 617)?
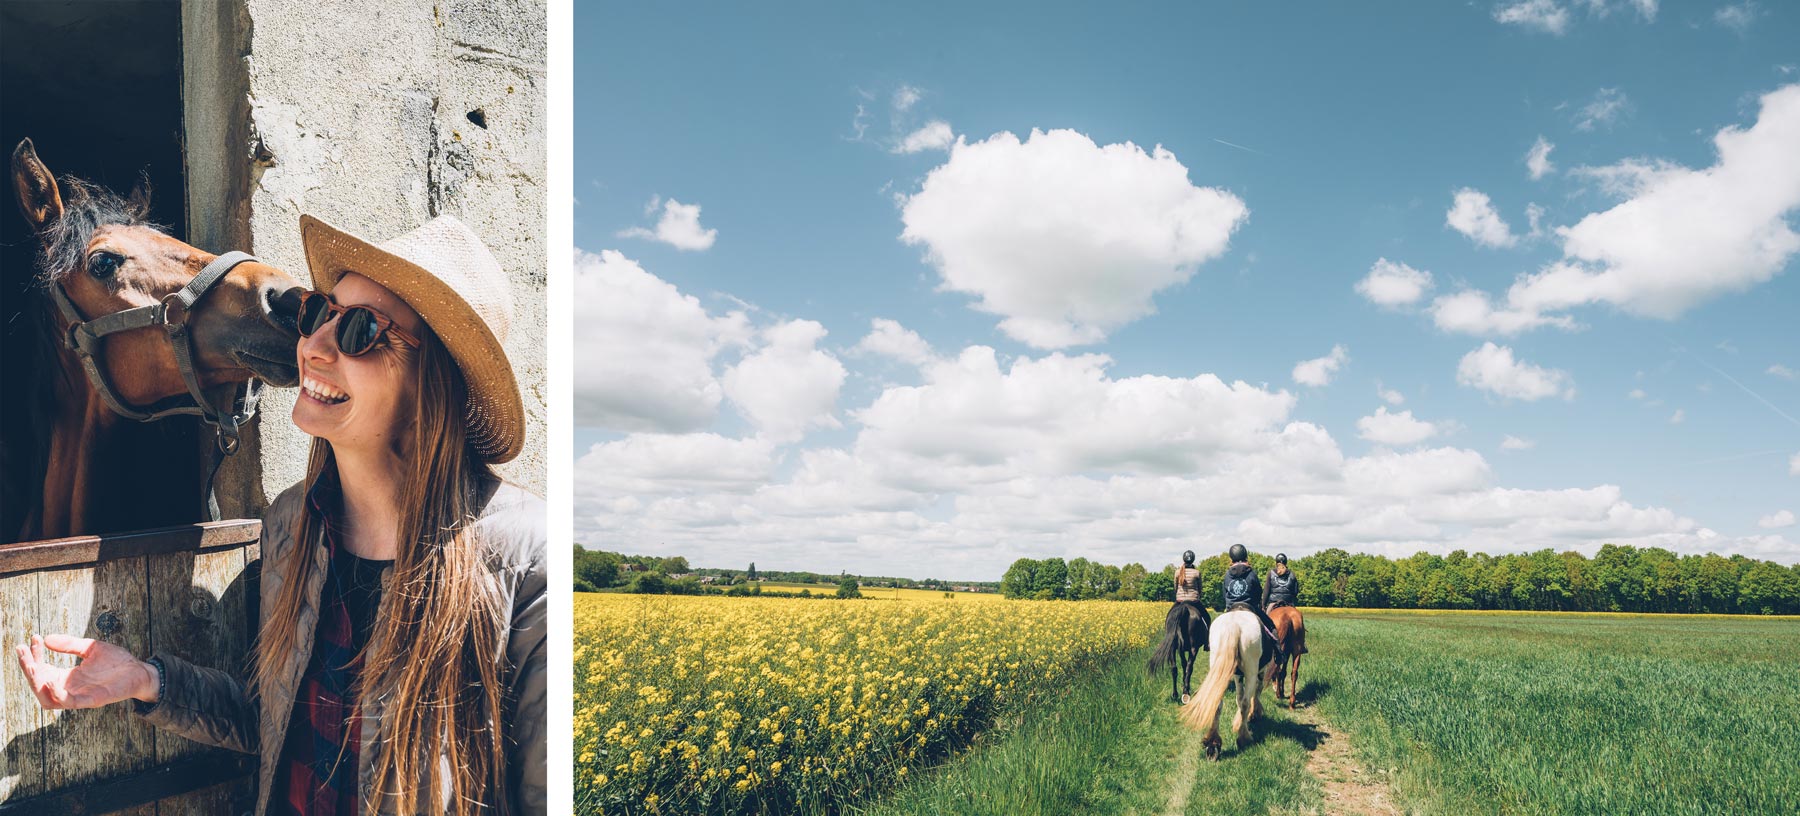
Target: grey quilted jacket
(218, 708)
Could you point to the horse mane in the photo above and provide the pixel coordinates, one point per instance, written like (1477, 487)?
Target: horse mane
(32, 339)
(87, 207)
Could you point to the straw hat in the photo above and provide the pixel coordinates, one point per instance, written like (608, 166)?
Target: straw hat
(444, 272)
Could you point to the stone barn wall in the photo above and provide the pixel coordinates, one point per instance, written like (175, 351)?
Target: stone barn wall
(375, 115)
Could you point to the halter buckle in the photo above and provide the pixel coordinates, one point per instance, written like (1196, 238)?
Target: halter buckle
(174, 313)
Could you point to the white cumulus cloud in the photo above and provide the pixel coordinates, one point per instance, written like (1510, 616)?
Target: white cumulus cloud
(1678, 417)
(933, 135)
(1780, 518)
(1319, 370)
(1679, 238)
(1391, 396)
(1064, 239)
(1471, 312)
(678, 227)
(1390, 283)
(1544, 15)
(645, 349)
(788, 386)
(1394, 430)
(1537, 160)
(1783, 372)
(1514, 443)
(1472, 214)
(888, 338)
(1493, 369)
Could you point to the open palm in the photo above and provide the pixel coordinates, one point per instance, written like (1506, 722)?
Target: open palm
(105, 675)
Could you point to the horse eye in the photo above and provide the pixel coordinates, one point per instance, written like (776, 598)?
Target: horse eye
(104, 264)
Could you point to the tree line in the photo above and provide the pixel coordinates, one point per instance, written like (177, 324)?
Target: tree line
(596, 570)
(1619, 578)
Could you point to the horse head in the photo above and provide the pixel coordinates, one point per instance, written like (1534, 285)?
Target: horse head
(106, 257)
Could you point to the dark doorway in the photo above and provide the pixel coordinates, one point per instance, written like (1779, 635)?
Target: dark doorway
(96, 86)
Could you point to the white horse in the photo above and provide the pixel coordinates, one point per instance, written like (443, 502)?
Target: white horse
(1236, 652)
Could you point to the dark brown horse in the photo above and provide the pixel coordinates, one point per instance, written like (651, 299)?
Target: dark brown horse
(1290, 630)
(1184, 637)
(70, 462)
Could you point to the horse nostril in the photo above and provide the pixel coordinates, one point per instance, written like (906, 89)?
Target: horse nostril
(281, 307)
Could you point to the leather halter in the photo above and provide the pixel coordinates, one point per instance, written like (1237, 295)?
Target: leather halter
(171, 314)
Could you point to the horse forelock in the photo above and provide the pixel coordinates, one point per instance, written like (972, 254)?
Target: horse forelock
(86, 208)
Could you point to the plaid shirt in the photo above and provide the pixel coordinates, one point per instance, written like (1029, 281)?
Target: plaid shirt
(318, 768)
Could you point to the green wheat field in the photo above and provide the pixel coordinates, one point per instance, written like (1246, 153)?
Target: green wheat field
(1454, 712)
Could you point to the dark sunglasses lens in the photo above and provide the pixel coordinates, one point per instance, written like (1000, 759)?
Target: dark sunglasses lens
(315, 309)
(357, 331)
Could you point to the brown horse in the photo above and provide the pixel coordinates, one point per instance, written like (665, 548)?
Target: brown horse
(1290, 630)
(71, 464)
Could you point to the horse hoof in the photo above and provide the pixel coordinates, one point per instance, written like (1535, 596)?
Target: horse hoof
(1212, 751)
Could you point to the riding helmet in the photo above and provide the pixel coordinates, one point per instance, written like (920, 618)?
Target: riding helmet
(1187, 557)
(1281, 558)
(1238, 553)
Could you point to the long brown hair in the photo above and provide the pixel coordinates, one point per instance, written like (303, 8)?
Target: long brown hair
(434, 655)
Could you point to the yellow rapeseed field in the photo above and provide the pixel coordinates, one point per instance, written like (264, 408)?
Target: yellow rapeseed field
(766, 705)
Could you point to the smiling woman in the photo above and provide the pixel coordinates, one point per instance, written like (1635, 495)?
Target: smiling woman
(399, 658)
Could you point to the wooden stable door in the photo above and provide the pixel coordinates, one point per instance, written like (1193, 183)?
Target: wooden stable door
(183, 590)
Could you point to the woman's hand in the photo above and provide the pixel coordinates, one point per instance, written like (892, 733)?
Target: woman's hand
(106, 674)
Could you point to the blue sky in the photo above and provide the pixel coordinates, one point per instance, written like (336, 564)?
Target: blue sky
(1205, 196)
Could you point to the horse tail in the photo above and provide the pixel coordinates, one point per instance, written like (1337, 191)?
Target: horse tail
(1165, 651)
(1204, 708)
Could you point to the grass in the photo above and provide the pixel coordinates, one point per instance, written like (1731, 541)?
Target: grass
(1526, 714)
(1110, 744)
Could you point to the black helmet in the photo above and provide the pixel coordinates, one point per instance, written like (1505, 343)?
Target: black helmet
(1281, 558)
(1238, 553)
(1187, 557)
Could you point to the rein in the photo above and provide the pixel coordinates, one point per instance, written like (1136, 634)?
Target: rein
(171, 315)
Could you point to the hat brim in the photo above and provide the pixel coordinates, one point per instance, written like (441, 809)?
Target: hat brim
(496, 411)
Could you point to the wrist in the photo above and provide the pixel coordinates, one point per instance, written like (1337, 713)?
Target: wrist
(150, 687)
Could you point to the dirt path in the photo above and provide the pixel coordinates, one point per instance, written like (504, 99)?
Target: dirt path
(1187, 766)
(1349, 790)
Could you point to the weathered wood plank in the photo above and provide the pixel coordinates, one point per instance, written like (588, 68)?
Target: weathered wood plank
(21, 740)
(87, 550)
(230, 798)
(192, 780)
(197, 613)
(108, 602)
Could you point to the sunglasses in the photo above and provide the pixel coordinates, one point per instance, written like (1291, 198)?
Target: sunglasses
(359, 328)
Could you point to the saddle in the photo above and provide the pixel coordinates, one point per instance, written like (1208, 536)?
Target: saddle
(1270, 645)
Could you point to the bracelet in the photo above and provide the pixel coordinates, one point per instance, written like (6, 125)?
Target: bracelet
(162, 679)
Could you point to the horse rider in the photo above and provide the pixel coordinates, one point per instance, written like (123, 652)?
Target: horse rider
(1241, 588)
(1187, 590)
(1283, 588)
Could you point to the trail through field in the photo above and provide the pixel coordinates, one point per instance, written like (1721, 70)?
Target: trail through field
(1187, 764)
(1298, 765)
(1349, 790)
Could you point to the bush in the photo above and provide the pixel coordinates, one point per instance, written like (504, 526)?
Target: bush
(649, 583)
(582, 585)
(847, 589)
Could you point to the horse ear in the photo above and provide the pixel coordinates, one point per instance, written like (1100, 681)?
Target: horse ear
(140, 196)
(35, 187)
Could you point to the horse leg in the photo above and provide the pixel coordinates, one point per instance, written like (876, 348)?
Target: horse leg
(1246, 701)
(1174, 671)
(1294, 693)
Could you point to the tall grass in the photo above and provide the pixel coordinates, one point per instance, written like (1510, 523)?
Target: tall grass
(1111, 744)
(1517, 714)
